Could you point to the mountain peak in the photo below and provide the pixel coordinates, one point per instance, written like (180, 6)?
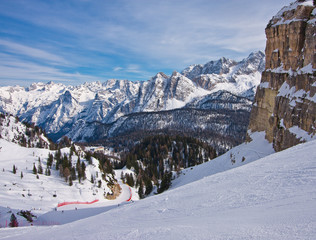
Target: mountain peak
(161, 75)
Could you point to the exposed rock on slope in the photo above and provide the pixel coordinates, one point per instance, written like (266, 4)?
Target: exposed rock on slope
(285, 102)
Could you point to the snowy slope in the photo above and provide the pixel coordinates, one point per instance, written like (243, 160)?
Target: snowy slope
(271, 198)
(24, 191)
(237, 156)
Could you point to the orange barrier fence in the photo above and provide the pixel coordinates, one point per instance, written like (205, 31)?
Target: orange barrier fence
(130, 191)
(77, 202)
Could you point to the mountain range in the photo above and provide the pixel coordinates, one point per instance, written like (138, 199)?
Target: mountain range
(214, 93)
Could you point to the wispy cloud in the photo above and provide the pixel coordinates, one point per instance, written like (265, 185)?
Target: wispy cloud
(26, 72)
(19, 49)
(117, 69)
(129, 39)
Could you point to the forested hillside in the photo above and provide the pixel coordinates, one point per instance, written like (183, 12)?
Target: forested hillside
(155, 158)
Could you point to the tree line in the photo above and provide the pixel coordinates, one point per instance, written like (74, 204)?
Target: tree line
(155, 158)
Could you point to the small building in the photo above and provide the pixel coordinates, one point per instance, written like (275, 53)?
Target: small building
(95, 149)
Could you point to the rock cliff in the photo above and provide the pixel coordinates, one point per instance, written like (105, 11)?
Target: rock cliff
(285, 101)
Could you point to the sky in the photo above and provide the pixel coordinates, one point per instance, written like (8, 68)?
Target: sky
(77, 41)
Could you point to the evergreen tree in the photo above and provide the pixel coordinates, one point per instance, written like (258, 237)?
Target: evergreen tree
(141, 191)
(34, 169)
(78, 163)
(89, 157)
(58, 158)
(13, 221)
(70, 181)
(129, 179)
(65, 162)
(73, 173)
(14, 169)
(66, 174)
(21, 175)
(83, 167)
(61, 170)
(149, 186)
(50, 160)
(39, 168)
(99, 184)
(122, 177)
(165, 182)
(92, 179)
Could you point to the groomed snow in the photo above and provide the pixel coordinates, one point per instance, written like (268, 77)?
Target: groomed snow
(271, 198)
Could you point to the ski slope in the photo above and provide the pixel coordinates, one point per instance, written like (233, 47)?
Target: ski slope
(43, 195)
(271, 198)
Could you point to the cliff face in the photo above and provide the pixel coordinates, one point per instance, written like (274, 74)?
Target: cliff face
(285, 101)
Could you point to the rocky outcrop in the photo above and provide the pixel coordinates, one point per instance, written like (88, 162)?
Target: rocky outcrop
(115, 191)
(285, 101)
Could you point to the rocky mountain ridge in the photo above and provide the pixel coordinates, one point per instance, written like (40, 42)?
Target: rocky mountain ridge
(60, 109)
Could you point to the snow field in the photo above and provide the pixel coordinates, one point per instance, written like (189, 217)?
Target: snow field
(271, 198)
(38, 195)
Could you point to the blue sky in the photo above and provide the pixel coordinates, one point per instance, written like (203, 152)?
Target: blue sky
(76, 41)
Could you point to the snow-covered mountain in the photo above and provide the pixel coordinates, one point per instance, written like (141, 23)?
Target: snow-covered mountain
(12, 130)
(60, 109)
(239, 78)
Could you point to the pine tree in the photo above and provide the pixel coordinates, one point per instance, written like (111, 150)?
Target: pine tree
(34, 169)
(21, 175)
(70, 181)
(73, 173)
(83, 167)
(165, 182)
(13, 221)
(149, 186)
(122, 177)
(50, 160)
(89, 157)
(92, 179)
(141, 191)
(99, 184)
(66, 173)
(78, 163)
(14, 169)
(39, 168)
(58, 158)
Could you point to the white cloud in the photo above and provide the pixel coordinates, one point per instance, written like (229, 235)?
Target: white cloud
(117, 69)
(20, 49)
(128, 37)
(14, 70)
